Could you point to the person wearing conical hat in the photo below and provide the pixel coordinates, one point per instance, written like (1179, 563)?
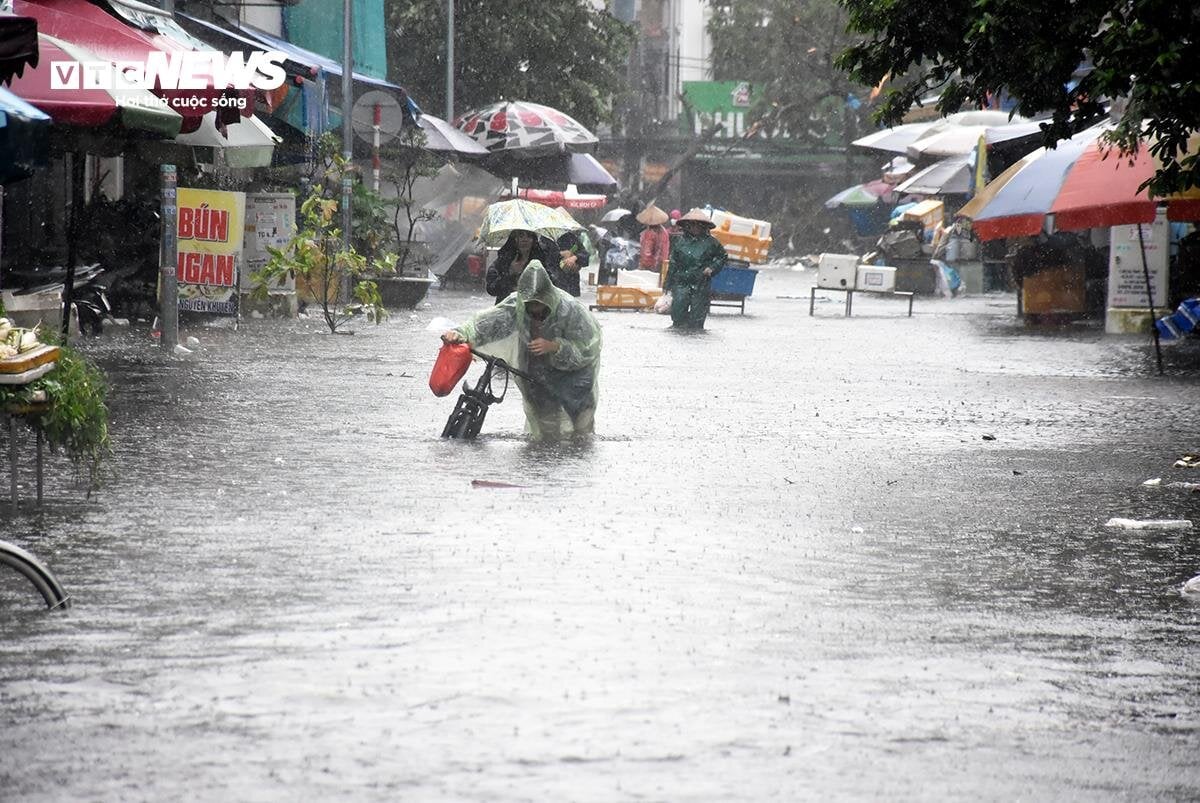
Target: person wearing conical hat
(552, 336)
(655, 243)
(696, 256)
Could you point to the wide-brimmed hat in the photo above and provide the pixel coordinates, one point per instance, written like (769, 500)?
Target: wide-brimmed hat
(696, 216)
(652, 216)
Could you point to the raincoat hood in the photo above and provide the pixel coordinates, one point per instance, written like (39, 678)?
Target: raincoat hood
(534, 284)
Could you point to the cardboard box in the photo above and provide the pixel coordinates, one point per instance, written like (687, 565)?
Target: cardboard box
(1053, 291)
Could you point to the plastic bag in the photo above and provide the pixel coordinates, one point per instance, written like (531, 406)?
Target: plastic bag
(663, 305)
(451, 365)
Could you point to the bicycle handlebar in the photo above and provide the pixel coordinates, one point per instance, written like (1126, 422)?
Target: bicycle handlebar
(493, 360)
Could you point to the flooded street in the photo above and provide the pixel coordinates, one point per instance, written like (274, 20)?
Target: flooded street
(804, 557)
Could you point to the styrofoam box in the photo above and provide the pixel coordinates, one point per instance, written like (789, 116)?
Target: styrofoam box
(875, 279)
(736, 224)
(837, 270)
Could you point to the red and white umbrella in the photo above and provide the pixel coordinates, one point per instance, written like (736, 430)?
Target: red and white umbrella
(1080, 184)
(530, 128)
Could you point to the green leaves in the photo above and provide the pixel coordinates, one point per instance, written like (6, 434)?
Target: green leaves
(76, 420)
(1143, 52)
(573, 53)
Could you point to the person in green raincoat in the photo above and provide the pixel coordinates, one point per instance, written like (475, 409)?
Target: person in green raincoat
(696, 257)
(552, 336)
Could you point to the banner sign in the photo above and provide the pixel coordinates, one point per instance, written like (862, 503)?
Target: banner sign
(1126, 277)
(724, 102)
(270, 223)
(208, 250)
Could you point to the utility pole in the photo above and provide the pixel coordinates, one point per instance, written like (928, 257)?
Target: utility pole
(450, 61)
(347, 129)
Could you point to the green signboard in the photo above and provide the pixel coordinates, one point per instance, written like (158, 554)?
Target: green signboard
(724, 102)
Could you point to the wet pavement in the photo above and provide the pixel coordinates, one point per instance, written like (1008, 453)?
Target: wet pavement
(805, 557)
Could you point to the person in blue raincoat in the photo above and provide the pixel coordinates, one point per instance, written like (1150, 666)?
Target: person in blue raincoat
(552, 336)
(696, 256)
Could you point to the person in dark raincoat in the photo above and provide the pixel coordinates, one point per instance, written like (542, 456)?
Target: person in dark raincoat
(573, 257)
(696, 256)
(521, 248)
(544, 331)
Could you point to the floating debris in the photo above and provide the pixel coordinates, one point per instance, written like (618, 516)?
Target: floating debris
(1150, 524)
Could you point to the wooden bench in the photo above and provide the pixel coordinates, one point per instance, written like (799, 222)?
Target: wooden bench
(850, 291)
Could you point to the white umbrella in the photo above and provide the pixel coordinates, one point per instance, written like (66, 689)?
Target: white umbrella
(951, 176)
(442, 137)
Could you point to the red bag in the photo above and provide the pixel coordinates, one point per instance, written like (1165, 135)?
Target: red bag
(452, 362)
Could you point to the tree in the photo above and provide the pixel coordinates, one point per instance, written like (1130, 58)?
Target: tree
(786, 50)
(565, 54)
(317, 256)
(1142, 52)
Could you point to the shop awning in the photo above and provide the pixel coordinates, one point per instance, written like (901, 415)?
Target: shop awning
(125, 105)
(111, 39)
(23, 137)
(18, 45)
(331, 68)
(248, 143)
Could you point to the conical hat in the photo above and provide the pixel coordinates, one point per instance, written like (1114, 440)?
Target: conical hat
(696, 216)
(652, 216)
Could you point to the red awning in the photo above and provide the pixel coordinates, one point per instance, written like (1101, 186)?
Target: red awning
(88, 25)
(90, 108)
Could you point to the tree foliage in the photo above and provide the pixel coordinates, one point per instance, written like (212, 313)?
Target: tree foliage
(565, 54)
(1143, 53)
(788, 51)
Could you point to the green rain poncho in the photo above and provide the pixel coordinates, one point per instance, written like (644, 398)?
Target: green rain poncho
(563, 400)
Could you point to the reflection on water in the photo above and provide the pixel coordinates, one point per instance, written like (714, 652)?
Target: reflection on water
(789, 566)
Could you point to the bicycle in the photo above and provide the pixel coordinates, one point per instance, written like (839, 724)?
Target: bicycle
(466, 419)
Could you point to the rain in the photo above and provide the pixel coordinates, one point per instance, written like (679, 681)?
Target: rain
(879, 527)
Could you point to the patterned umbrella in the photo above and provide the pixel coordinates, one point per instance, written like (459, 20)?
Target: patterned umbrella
(1081, 183)
(530, 128)
(503, 218)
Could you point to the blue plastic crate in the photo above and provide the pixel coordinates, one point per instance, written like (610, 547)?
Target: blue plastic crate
(734, 280)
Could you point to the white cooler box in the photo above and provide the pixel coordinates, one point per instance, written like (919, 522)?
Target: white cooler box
(837, 270)
(876, 279)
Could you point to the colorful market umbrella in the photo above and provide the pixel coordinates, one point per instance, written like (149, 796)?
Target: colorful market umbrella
(1080, 184)
(125, 105)
(503, 218)
(529, 128)
(862, 195)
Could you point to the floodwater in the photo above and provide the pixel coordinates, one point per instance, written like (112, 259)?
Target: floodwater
(805, 558)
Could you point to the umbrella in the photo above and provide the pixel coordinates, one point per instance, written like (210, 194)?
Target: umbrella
(503, 218)
(613, 215)
(862, 195)
(442, 137)
(898, 138)
(1081, 183)
(530, 128)
(946, 139)
(583, 168)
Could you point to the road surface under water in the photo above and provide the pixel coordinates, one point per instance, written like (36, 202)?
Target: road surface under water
(805, 557)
